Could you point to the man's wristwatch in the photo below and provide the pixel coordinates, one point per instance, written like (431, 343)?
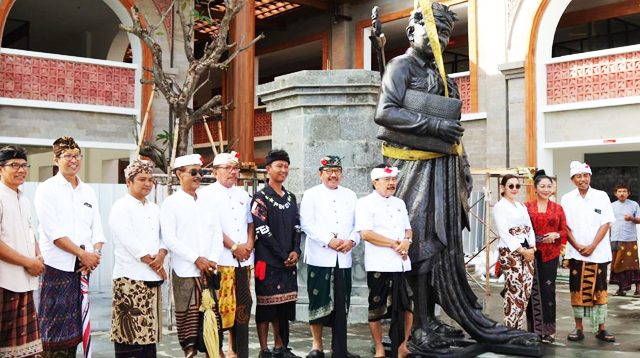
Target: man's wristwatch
(234, 247)
(353, 243)
(410, 240)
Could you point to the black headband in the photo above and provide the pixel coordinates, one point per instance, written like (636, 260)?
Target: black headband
(276, 154)
(11, 152)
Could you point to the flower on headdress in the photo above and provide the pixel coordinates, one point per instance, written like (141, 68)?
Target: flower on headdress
(586, 165)
(324, 161)
(387, 170)
(235, 154)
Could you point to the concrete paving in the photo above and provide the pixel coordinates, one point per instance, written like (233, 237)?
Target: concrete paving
(624, 322)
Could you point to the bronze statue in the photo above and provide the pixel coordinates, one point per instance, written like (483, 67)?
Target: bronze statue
(422, 133)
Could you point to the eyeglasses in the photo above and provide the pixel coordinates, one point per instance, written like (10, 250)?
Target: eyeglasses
(68, 157)
(17, 166)
(332, 170)
(511, 186)
(230, 168)
(195, 172)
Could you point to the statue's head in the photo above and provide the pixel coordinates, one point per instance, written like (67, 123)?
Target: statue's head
(417, 32)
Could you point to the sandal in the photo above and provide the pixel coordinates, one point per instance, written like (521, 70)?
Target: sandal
(605, 336)
(576, 335)
(620, 293)
(547, 339)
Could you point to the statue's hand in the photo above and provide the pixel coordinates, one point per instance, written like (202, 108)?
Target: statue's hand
(449, 131)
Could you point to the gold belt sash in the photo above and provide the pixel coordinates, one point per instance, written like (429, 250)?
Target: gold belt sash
(415, 154)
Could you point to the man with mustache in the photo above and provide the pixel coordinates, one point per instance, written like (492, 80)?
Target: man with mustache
(383, 223)
(327, 217)
(20, 260)
(589, 216)
(191, 231)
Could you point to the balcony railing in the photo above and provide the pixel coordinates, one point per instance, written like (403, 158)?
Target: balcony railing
(47, 80)
(594, 76)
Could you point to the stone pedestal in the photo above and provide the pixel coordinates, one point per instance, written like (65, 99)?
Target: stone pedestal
(318, 113)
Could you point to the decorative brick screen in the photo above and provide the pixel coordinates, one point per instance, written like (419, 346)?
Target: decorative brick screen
(43, 79)
(464, 87)
(604, 77)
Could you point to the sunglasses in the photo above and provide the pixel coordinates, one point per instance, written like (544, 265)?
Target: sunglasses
(195, 172)
(511, 186)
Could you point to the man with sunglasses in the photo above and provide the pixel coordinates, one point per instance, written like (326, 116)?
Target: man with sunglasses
(327, 216)
(20, 260)
(191, 231)
(71, 240)
(234, 210)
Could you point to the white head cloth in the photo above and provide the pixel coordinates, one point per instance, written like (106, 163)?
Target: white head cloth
(385, 172)
(189, 159)
(579, 168)
(226, 158)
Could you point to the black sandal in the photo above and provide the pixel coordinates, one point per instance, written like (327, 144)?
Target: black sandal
(576, 335)
(605, 336)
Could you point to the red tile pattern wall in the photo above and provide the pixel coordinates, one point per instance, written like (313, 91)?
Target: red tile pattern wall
(261, 127)
(53, 80)
(464, 87)
(612, 76)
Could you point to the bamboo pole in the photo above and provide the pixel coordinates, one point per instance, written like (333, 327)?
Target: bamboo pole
(143, 128)
(220, 136)
(211, 141)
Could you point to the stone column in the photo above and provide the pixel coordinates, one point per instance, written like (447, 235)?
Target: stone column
(318, 113)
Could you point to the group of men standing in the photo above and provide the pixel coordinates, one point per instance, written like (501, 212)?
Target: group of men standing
(214, 232)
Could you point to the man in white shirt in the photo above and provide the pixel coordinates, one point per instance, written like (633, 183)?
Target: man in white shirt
(138, 271)
(327, 216)
(71, 240)
(624, 242)
(20, 260)
(191, 231)
(234, 212)
(383, 223)
(589, 216)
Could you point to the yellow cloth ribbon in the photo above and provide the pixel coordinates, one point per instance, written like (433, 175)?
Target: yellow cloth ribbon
(210, 325)
(415, 154)
(432, 32)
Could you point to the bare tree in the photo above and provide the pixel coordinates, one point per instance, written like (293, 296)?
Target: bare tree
(218, 53)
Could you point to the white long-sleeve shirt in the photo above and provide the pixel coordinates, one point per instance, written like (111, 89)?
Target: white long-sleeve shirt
(135, 229)
(234, 213)
(66, 211)
(190, 229)
(512, 219)
(323, 212)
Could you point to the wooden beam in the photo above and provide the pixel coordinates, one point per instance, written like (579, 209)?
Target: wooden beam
(5, 7)
(472, 39)
(628, 7)
(316, 4)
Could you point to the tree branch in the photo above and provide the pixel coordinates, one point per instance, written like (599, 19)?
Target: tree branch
(215, 101)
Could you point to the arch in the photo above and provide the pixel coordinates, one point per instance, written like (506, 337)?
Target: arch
(141, 53)
(543, 28)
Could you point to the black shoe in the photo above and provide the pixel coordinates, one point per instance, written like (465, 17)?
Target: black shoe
(349, 355)
(284, 352)
(316, 353)
(265, 354)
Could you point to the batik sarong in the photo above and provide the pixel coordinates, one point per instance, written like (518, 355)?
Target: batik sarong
(136, 313)
(541, 312)
(234, 295)
(625, 270)
(60, 313)
(588, 286)
(187, 293)
(19, 334)
(517, 287)
(135, 350)
(321, 292)
(276, 293)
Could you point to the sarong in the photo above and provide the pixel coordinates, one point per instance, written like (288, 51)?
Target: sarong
(321, 292)
(235, 305)
(517, 287)
(625, 269)
(135, 350)
(588, 286)
(541, 312)
(19, 334)
(60, 313)
(187, 293)
(280, 285)
(136, 313)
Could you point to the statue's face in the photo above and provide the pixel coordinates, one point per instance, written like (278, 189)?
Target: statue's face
(421, 39)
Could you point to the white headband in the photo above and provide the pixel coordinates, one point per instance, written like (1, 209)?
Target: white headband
(226, 158)
(579, 168)
(385, 172)
(190, 159)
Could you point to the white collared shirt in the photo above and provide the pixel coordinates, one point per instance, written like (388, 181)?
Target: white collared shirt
(323, 212)
(16, 231)
(389, 218)
(135, 229)
(234, 213)
(584, 217)
(66, 211)
(190, 229)
(509, 218)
